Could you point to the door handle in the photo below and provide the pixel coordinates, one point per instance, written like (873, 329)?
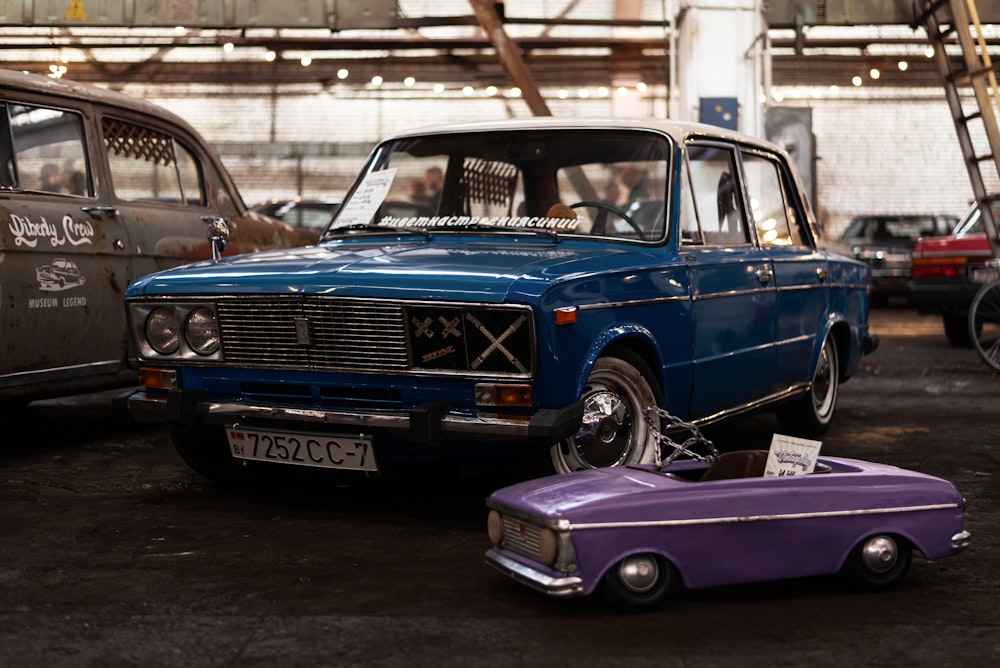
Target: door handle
(821, 273)
(765, 275)
(108, 211)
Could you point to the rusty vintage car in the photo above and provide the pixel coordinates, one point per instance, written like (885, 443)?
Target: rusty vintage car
(96, 189)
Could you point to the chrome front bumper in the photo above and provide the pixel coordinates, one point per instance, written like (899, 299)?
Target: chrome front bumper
(562, 586)
(424, 424)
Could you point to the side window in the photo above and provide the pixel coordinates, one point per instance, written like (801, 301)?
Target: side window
(43, 149)
(716, 194)
(150, 165)
(773, 216)
(690, 231)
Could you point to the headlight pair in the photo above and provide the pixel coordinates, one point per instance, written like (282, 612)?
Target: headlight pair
(166, 328)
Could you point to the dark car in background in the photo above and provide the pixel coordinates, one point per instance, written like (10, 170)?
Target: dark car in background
(948, 271)
(96, 190)
(310, 215)
(885, 243)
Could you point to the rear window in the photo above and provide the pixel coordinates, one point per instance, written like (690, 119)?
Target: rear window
(151, 165)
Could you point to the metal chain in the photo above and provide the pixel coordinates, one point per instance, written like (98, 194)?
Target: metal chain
(673, 423)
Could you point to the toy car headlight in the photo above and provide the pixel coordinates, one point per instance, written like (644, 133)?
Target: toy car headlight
(548, 547)
(494, 527)
(202, 331)
(163, 331)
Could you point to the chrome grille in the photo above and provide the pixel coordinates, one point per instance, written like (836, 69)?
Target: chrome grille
(521, 537)
(354, 334)
(337, 334)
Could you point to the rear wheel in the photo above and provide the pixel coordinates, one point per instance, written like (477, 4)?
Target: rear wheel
(614, 431)
(956, 329)
(811, 415)
(984, 324)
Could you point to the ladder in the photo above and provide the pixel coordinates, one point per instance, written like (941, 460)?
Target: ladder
(956, 23)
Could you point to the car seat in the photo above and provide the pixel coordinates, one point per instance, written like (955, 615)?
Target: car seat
(739, 464)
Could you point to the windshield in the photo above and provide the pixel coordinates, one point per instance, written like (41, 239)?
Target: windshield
(594, 183)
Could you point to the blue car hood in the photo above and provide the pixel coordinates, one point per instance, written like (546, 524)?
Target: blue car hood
(485, 271)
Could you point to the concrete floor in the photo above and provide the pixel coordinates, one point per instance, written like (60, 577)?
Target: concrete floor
(115, 554)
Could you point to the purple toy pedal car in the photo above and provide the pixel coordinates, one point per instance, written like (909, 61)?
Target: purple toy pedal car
(637, 532)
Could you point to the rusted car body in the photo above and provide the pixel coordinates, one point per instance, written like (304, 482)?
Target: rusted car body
(97, 189)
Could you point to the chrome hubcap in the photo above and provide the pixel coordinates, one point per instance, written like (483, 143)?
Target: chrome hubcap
(639, 574)
(879, 554)
(605, 433)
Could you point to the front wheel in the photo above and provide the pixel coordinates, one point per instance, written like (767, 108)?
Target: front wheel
(984, 324)
(614, 430)
(210, 457)
(640, 583)
(879, 561)
(811, 415)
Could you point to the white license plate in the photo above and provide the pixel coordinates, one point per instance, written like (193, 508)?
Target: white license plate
(332, 451)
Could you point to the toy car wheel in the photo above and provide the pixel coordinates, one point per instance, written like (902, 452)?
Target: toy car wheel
(879, 561)
(210, 457)
(614, 431)
(640, 582)
(811, 415)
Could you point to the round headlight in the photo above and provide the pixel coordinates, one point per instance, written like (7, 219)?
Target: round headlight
(494, 527)
(163, 331)
(201, 331)
(548, 547)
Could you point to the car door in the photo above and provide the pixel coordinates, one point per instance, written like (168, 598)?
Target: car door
(65, 254)
(733, 296)
(801, 274)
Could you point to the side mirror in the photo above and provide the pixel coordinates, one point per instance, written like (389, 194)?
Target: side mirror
(218, 234)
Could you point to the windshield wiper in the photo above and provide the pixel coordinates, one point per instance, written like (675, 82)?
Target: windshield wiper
(543, 232)
(376, 229)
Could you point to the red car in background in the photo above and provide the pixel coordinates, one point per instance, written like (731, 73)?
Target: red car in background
(947, 272)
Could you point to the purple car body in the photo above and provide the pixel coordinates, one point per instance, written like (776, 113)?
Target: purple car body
(637, 532)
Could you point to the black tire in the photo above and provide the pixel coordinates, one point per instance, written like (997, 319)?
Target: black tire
(640, 582)
(209, 456)
(879, 561)
(956, 330)
(811, 415)
(984, 324)
(614, 431)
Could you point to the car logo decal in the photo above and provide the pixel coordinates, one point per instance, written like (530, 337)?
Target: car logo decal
(302, 335)
(61, 274)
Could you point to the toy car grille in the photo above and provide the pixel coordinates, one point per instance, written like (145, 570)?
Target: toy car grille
(521, 538)
(329, 333)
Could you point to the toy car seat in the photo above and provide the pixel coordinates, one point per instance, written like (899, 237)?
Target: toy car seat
(739, 464)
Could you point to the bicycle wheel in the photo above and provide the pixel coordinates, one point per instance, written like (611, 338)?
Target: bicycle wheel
(984, 323)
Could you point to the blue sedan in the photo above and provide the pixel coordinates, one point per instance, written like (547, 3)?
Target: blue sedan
(566, 276)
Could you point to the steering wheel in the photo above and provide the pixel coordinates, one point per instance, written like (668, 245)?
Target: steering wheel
(600, 223)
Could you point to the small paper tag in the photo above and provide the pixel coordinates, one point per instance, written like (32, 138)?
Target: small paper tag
(791, 456)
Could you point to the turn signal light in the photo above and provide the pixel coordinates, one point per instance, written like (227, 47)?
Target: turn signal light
(503, 395)
(157, 379)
